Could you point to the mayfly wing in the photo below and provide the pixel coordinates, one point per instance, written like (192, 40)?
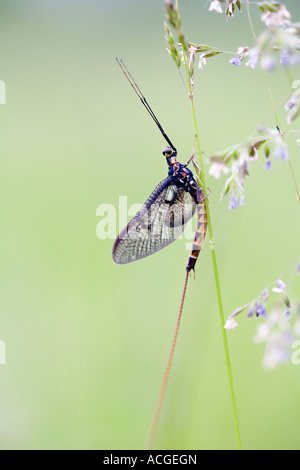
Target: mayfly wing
(160, 221)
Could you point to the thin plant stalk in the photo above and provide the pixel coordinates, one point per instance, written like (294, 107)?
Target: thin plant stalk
(216, 274)
(214, 260)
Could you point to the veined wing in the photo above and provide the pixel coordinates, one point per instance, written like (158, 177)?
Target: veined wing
(160, 221)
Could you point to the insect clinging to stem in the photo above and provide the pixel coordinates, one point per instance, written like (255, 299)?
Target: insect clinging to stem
(164, 215)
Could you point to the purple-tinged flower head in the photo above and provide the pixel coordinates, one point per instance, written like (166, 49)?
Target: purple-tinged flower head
(236, 61)
(268, 62)
(281, 289)
(236, 160)
(261, 311)
(285, 58)
(281, 153)
(292, 106)
(275, 137)
(270, 132)
(298, 269)
(281, 285)
(217, 168)
(239, 171)
(242, 53)
(268, 165)
(265, 295)
(231, 322)
(279, 17)
(293, 101)
(294, 59)
(279, 328)
(287, 314)
(277, 334)
(253, 57)
(251, 309)
(234, 202)
(276, 353)
(289, 58)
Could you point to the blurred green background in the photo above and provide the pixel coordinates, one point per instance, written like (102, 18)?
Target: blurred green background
(86, 340)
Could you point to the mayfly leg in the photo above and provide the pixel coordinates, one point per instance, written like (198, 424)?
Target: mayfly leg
(189, 161)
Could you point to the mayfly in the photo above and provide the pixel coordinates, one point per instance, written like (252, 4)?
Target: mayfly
(163, 217)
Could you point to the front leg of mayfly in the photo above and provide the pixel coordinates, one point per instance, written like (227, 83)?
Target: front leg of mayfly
(189, 161)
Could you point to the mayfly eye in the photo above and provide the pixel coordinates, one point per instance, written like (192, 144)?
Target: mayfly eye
(167, 152)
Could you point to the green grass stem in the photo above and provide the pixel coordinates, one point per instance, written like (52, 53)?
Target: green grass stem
(215, 266)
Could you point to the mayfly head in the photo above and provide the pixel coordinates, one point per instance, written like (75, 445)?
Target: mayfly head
(171, 155)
